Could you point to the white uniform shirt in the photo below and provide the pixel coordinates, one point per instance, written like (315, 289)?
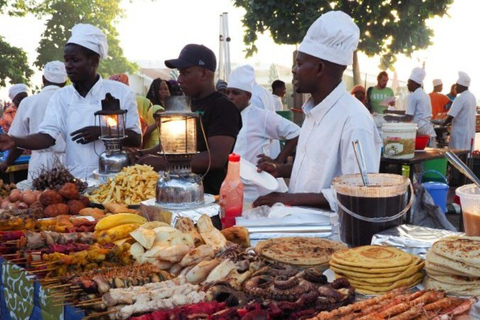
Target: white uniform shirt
(27, 120)
(463, 111)
(68, 111)
(263, 99)
(278, 102)
(419, 106)
(324, 149)
(259, 127)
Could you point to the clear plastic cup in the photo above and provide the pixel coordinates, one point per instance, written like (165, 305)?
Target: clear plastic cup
(470, 201)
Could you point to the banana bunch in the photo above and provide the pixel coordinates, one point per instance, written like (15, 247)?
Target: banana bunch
(117, 227)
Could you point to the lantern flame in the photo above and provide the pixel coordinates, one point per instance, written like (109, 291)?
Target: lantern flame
(111, 121)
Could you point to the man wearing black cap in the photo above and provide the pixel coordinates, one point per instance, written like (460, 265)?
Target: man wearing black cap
(220, 118)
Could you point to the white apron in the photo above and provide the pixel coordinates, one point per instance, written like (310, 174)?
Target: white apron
(82, 159)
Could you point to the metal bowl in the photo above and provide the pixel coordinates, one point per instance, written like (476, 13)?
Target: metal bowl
(179, 190)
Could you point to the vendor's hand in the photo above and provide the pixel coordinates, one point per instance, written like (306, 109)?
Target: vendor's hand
(392, 103)
(157, 162)
(264, 158)
(270, 199)
(269, 167)
(6, 142)
(86, 134)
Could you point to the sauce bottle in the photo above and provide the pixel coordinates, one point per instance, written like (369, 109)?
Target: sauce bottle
(231, 193)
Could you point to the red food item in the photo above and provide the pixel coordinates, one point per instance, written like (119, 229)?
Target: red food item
(49, 197)
(75, 206)
(11, 235)
(84, 200)
(56, 209)
(69, 191)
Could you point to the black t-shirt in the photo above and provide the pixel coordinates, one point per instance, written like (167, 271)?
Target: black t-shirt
(220, 117)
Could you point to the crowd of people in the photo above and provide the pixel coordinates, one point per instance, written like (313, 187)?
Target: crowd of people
(237, 113)
(422, 108)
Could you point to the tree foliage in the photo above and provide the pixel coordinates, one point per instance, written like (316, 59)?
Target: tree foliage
(61, 16)
(388, 27)
(64, 14)
(13, 60)
(13, 64)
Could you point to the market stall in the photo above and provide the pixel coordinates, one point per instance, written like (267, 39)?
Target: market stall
(115, 253)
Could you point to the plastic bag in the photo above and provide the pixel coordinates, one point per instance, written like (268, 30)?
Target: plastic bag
(426, 213)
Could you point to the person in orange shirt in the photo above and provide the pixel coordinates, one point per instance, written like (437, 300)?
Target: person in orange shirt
(439, 100)
(16, 93)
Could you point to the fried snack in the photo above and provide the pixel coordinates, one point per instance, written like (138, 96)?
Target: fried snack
(118, 208)
(186, 225)
(75, 206)
(238, 235)
(56, 209)
(49, 197)
(131, 186)
(96, 213)
(210, 234)
(69, 191)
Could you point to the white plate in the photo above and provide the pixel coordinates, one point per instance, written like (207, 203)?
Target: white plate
(248, 172)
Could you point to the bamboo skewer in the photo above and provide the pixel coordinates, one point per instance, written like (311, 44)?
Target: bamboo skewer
(89, 303)
(99, 314)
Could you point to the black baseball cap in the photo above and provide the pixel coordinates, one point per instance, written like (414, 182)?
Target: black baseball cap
(194, 55)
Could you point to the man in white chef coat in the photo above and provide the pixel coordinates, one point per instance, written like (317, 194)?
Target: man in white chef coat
(462, 115)
(29, 117)
(333, 117)
(259, 126)
(70, 112)
(419, 106)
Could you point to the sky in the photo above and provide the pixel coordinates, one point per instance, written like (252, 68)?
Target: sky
(153, 31)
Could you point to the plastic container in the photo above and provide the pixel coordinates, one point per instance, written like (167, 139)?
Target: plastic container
(430, 166)
(470, 201)
(231, 193)
(399, 140)
(438, 190)
(421, 142)
(366, 210)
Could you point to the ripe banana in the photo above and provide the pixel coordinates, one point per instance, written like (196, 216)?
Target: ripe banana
(115, 233)
(118, 219)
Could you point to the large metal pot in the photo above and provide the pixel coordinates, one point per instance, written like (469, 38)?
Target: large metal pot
(179, 190)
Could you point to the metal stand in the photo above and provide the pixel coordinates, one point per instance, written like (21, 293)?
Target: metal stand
(224, 49)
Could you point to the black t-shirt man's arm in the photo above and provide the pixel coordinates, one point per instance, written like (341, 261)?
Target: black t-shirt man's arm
(220, 148)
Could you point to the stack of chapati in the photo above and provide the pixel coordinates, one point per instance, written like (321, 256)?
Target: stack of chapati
(377, 269)
(300, 251)
(453, 265)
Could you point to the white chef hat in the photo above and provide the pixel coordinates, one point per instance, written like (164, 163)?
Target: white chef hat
(242, 78)
(417, 75)
(463, 79)
(437, 82)
(332, 37)
(90, 37)
(55, 72)
(16, 89)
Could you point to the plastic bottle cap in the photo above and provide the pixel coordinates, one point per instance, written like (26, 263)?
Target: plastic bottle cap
(233, 157)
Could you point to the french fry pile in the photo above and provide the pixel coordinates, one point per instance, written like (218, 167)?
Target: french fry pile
(130, 186)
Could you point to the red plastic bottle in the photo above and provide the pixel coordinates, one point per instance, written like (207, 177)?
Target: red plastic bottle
(231, 193)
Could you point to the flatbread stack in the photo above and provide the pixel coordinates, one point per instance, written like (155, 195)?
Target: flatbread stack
(377, 269)
(453, 265)
(300, 251)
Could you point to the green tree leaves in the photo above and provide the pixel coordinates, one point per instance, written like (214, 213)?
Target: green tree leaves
(388, 27)
(13, 64)
(61, 16)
